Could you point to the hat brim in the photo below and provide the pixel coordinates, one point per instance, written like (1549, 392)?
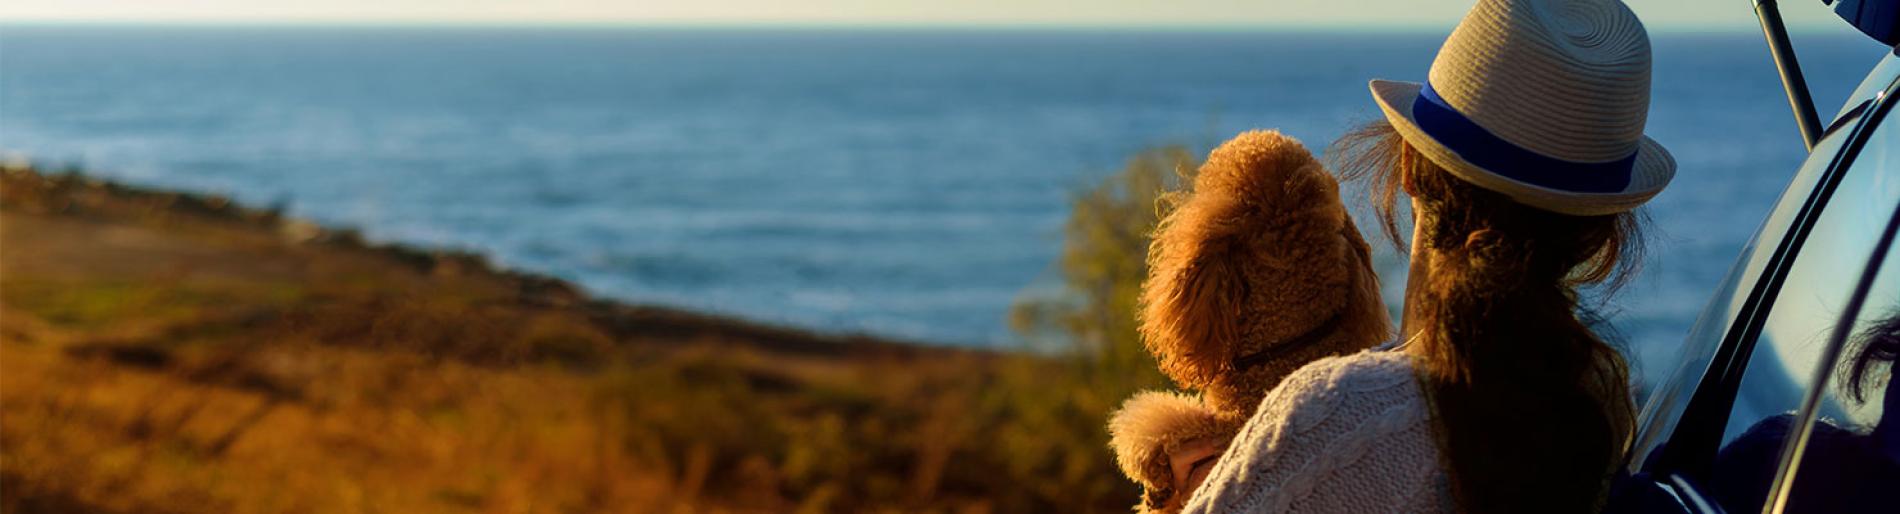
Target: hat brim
(1653, 169)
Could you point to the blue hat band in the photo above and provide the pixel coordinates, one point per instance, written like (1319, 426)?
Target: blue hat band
(1485, 150)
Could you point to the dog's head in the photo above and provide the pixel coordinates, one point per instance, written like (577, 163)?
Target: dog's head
(1256, 271)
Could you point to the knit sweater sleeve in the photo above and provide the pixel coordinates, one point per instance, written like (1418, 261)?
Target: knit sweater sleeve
(1343, 434)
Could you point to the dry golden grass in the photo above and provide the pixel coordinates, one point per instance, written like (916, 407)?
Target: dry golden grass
(172, 353)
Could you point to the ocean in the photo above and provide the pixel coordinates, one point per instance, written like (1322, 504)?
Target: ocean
(909, 183)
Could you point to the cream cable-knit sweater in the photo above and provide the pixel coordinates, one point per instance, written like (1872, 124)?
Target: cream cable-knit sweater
(1342, 434)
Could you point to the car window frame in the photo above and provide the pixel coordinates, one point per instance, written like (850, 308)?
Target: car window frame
(1788, 465)
(1691, 446)
(1666, 404)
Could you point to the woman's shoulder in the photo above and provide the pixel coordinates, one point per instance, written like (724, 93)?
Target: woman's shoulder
(1352, 375)
(1349, 390)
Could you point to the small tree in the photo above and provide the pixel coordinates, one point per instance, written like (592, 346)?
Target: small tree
(1104, 260)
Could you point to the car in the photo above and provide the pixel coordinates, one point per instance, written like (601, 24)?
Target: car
(1780, 402)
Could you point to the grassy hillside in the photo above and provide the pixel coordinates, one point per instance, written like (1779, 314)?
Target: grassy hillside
(167, 352)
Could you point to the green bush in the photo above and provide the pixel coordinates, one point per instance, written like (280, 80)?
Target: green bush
(1054, 436)
(1104, 259)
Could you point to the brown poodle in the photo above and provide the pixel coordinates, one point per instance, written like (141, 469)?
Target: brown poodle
(1257, 271)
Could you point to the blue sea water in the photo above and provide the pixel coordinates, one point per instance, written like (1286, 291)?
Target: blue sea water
(910, 183)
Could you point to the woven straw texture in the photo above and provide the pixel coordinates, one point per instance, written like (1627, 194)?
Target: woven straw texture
(1567, 79)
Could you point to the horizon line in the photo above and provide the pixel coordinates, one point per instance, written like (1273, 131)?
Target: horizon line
(831, 25)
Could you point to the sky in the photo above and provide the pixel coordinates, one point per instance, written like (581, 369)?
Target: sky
(1369, 14)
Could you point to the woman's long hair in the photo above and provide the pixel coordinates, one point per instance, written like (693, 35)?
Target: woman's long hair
(1532, 408)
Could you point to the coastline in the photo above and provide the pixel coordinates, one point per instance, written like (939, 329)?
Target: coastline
(72, 194)
(166, 351)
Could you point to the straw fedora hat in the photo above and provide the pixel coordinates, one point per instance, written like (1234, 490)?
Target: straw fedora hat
(1541, 100)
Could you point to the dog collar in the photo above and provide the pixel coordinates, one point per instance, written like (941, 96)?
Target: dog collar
(1245, 362)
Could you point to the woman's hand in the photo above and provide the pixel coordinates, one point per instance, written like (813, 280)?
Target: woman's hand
(1190, 464)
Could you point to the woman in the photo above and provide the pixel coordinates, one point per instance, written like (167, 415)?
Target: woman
(1525, 161)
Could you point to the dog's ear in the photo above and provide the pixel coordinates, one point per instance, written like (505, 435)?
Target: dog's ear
(1191, 305)
(1255, 196)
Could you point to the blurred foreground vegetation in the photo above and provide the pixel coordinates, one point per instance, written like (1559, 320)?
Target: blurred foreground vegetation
(166, 352)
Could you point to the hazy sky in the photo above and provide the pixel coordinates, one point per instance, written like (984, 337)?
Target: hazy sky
(1662, 14)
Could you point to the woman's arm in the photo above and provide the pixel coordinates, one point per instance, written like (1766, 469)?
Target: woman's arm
(1248, 470)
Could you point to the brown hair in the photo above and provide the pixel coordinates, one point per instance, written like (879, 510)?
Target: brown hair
(1875, 346)
(1531, 408)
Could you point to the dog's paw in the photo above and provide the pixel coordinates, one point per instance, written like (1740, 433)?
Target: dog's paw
(1152, 425)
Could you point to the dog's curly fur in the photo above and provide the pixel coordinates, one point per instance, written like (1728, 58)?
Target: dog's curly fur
(1254, 255)
(1258, 252)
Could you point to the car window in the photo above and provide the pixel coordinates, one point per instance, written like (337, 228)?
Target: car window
(1851, 460)
(1788, 353)
(1665, 405)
